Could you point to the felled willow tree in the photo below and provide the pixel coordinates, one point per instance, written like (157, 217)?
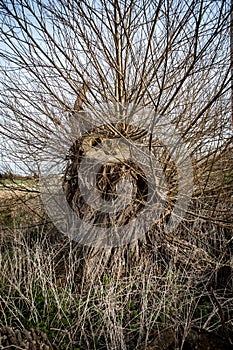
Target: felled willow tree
(168, 57)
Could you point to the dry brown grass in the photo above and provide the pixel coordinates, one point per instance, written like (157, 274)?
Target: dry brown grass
(130, 312)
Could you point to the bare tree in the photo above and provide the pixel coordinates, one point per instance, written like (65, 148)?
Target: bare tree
(171, 57)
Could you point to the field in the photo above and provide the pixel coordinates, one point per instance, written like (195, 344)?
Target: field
(181, 299)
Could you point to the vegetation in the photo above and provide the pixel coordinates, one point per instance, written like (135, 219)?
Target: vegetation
(122, 107)
(162, 306)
